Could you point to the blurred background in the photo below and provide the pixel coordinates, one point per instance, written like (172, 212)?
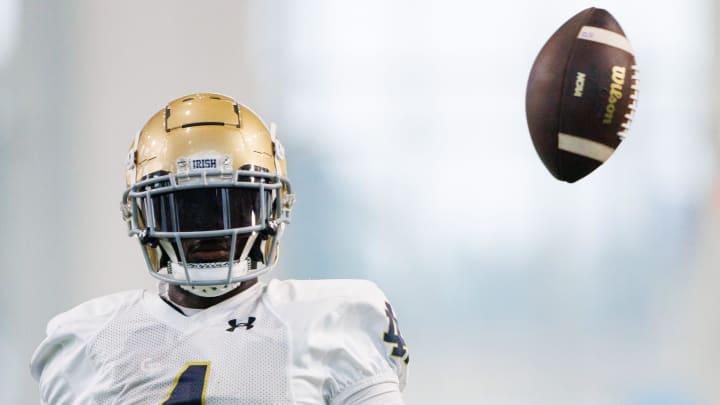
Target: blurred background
(405, 130)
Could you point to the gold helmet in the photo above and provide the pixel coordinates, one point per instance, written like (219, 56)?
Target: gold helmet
(205, 174)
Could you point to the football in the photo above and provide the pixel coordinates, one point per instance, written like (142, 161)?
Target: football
(581, 94)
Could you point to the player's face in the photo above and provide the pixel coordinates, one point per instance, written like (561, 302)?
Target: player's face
(207, 209)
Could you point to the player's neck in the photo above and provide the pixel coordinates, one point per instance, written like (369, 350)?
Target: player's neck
(189, 300)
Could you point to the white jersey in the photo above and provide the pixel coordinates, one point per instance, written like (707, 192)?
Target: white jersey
(285, 342)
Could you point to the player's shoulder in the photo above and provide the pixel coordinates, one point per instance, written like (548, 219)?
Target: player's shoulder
(335, 306)
(347, 290)
(92, 314)
(70, 331)
(345, 327)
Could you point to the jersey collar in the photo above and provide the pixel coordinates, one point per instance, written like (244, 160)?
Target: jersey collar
(233, 307)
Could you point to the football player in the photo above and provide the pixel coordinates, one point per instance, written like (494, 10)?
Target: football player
(208, 199)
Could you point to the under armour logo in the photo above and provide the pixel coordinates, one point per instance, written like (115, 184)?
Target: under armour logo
(234, 324)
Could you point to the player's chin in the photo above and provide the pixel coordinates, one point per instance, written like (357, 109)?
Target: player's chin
(211, 250)
(208, 256)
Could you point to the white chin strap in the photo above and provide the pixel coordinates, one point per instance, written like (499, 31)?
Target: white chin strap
(210, 291)
(208, 272)
(199, 272)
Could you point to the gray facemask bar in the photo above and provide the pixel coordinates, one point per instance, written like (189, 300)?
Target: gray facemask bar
(209, 178)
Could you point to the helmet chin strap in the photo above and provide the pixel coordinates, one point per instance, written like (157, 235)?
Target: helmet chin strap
(210, 291)
(208, 271)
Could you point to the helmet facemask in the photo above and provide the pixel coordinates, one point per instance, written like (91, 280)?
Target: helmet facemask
(210, 229)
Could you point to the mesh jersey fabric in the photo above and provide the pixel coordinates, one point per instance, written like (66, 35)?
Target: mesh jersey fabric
(285, 342)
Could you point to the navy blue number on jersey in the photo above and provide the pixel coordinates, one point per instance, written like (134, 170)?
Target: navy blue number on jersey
(394, 337)
(189, 385)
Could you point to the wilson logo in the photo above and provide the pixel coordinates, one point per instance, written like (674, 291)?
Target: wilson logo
(618, 80)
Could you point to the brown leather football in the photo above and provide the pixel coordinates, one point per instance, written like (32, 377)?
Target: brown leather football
(581, 94)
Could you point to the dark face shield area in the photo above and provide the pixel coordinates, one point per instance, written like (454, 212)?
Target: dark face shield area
(205, 209)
